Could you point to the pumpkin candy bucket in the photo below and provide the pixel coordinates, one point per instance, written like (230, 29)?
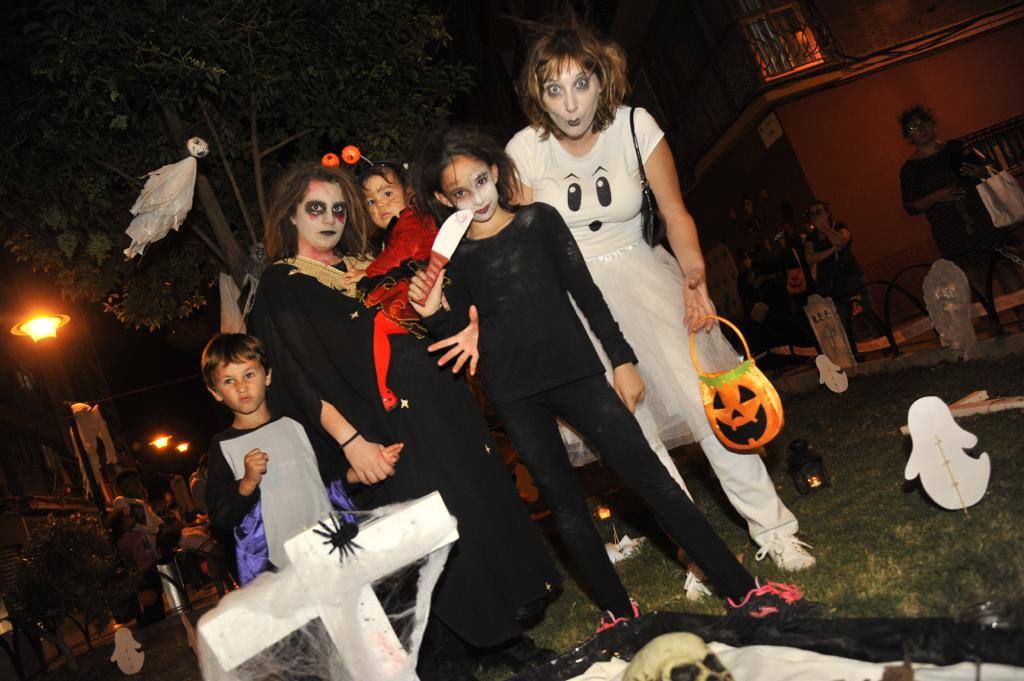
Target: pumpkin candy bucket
(741, 404)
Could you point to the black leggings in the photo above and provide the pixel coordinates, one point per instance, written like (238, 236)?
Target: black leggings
(592, 407)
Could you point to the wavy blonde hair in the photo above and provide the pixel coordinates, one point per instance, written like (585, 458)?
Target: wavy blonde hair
(555, 45)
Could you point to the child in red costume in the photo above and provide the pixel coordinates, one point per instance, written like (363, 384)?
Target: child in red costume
(408, 235)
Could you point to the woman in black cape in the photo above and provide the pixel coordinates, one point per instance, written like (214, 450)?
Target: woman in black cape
(319, 337)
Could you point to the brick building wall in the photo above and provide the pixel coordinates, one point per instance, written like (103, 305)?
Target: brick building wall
(864, 26)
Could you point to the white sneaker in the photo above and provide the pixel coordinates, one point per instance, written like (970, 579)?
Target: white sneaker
(694, 588)
(787, 552)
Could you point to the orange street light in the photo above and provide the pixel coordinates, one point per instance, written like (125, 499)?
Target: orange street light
(161, 441)
(182, 447)
(38, 328)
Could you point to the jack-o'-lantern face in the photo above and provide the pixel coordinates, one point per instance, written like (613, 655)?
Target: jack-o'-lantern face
(745, 412)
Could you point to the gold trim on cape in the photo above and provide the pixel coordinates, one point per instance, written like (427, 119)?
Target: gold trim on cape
(329, 276)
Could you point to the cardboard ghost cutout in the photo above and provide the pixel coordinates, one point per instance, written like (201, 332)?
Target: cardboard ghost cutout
(831, 374)
(127, 652)
(951, 478)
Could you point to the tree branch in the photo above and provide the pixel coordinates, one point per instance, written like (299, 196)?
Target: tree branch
(286, 140)
(257, 159)
(209, 243)
(134, 180)
(227, 169)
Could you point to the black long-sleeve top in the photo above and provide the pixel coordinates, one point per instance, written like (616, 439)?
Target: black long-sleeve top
(520, 280)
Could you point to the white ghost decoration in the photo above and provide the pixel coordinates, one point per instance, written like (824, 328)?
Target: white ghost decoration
(165, 200)
(198, 147)
(127, 652)
(831, 374)
(951, 478)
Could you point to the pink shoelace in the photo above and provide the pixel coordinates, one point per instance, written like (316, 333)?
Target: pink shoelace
(789, 593)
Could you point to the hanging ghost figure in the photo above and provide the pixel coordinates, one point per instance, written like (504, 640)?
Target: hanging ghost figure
(831, 374)
(127, 652)
(951, 478)
(165, 199)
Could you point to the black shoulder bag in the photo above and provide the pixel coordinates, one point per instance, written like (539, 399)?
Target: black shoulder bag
(653, 227)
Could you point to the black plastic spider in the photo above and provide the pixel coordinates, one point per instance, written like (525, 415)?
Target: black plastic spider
(340, 536)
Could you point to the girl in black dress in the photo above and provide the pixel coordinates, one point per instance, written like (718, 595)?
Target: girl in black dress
(519, 267)
(319, 336)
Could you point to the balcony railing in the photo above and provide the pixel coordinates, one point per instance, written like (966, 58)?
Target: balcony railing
(1002, 144)
(758, 43)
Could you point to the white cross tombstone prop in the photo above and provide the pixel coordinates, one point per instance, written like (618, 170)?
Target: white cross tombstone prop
(947, 295)
(829, 331)
(951, 478)
(245, 623)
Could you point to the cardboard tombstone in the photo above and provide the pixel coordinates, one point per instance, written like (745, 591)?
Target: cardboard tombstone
(318, 584)
(831, 374)
(947, 295)
(722, 281)
(829, 331)
(951, 478)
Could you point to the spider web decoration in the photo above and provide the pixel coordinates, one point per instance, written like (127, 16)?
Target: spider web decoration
(358, 618)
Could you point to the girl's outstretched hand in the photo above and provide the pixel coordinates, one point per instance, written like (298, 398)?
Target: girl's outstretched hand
(417, 289)
(462, 346)
(628, 385)
(696, 302)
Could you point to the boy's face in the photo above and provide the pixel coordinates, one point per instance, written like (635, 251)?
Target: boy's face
(241, 386)
(385, 198)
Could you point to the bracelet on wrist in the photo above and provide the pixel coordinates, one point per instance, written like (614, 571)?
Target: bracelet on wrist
(349, 441)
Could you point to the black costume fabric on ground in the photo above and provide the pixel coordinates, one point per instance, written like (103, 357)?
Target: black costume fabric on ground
(934, 641)
(320, 345)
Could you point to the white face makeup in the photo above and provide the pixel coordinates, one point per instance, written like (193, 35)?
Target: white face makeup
(470, 184)
(571, 98)
(320, 217)
(385, 199)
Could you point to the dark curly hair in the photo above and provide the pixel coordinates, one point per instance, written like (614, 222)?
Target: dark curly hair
(918, 113)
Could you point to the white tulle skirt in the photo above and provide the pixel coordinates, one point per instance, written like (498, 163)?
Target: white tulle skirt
(644, 290)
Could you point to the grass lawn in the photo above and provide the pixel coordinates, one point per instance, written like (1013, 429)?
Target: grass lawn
(883, 549)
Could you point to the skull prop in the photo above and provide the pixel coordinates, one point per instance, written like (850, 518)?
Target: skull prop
(198, 147)
(679, 656)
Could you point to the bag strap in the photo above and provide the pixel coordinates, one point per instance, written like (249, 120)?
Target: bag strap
(723, 320)
(636, 146)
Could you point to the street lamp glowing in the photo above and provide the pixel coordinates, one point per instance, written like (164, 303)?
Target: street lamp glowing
(161, 441)
(182, 447)
(41, 327)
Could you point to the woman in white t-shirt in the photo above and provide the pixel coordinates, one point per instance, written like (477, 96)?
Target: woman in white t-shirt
(578, 156)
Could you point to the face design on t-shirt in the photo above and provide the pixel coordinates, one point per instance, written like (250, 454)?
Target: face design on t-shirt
(597, 186)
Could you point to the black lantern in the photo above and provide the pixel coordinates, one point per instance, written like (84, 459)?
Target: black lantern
(807, 468)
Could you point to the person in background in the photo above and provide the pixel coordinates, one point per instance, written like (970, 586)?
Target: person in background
(838, 275)
(939, 180)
